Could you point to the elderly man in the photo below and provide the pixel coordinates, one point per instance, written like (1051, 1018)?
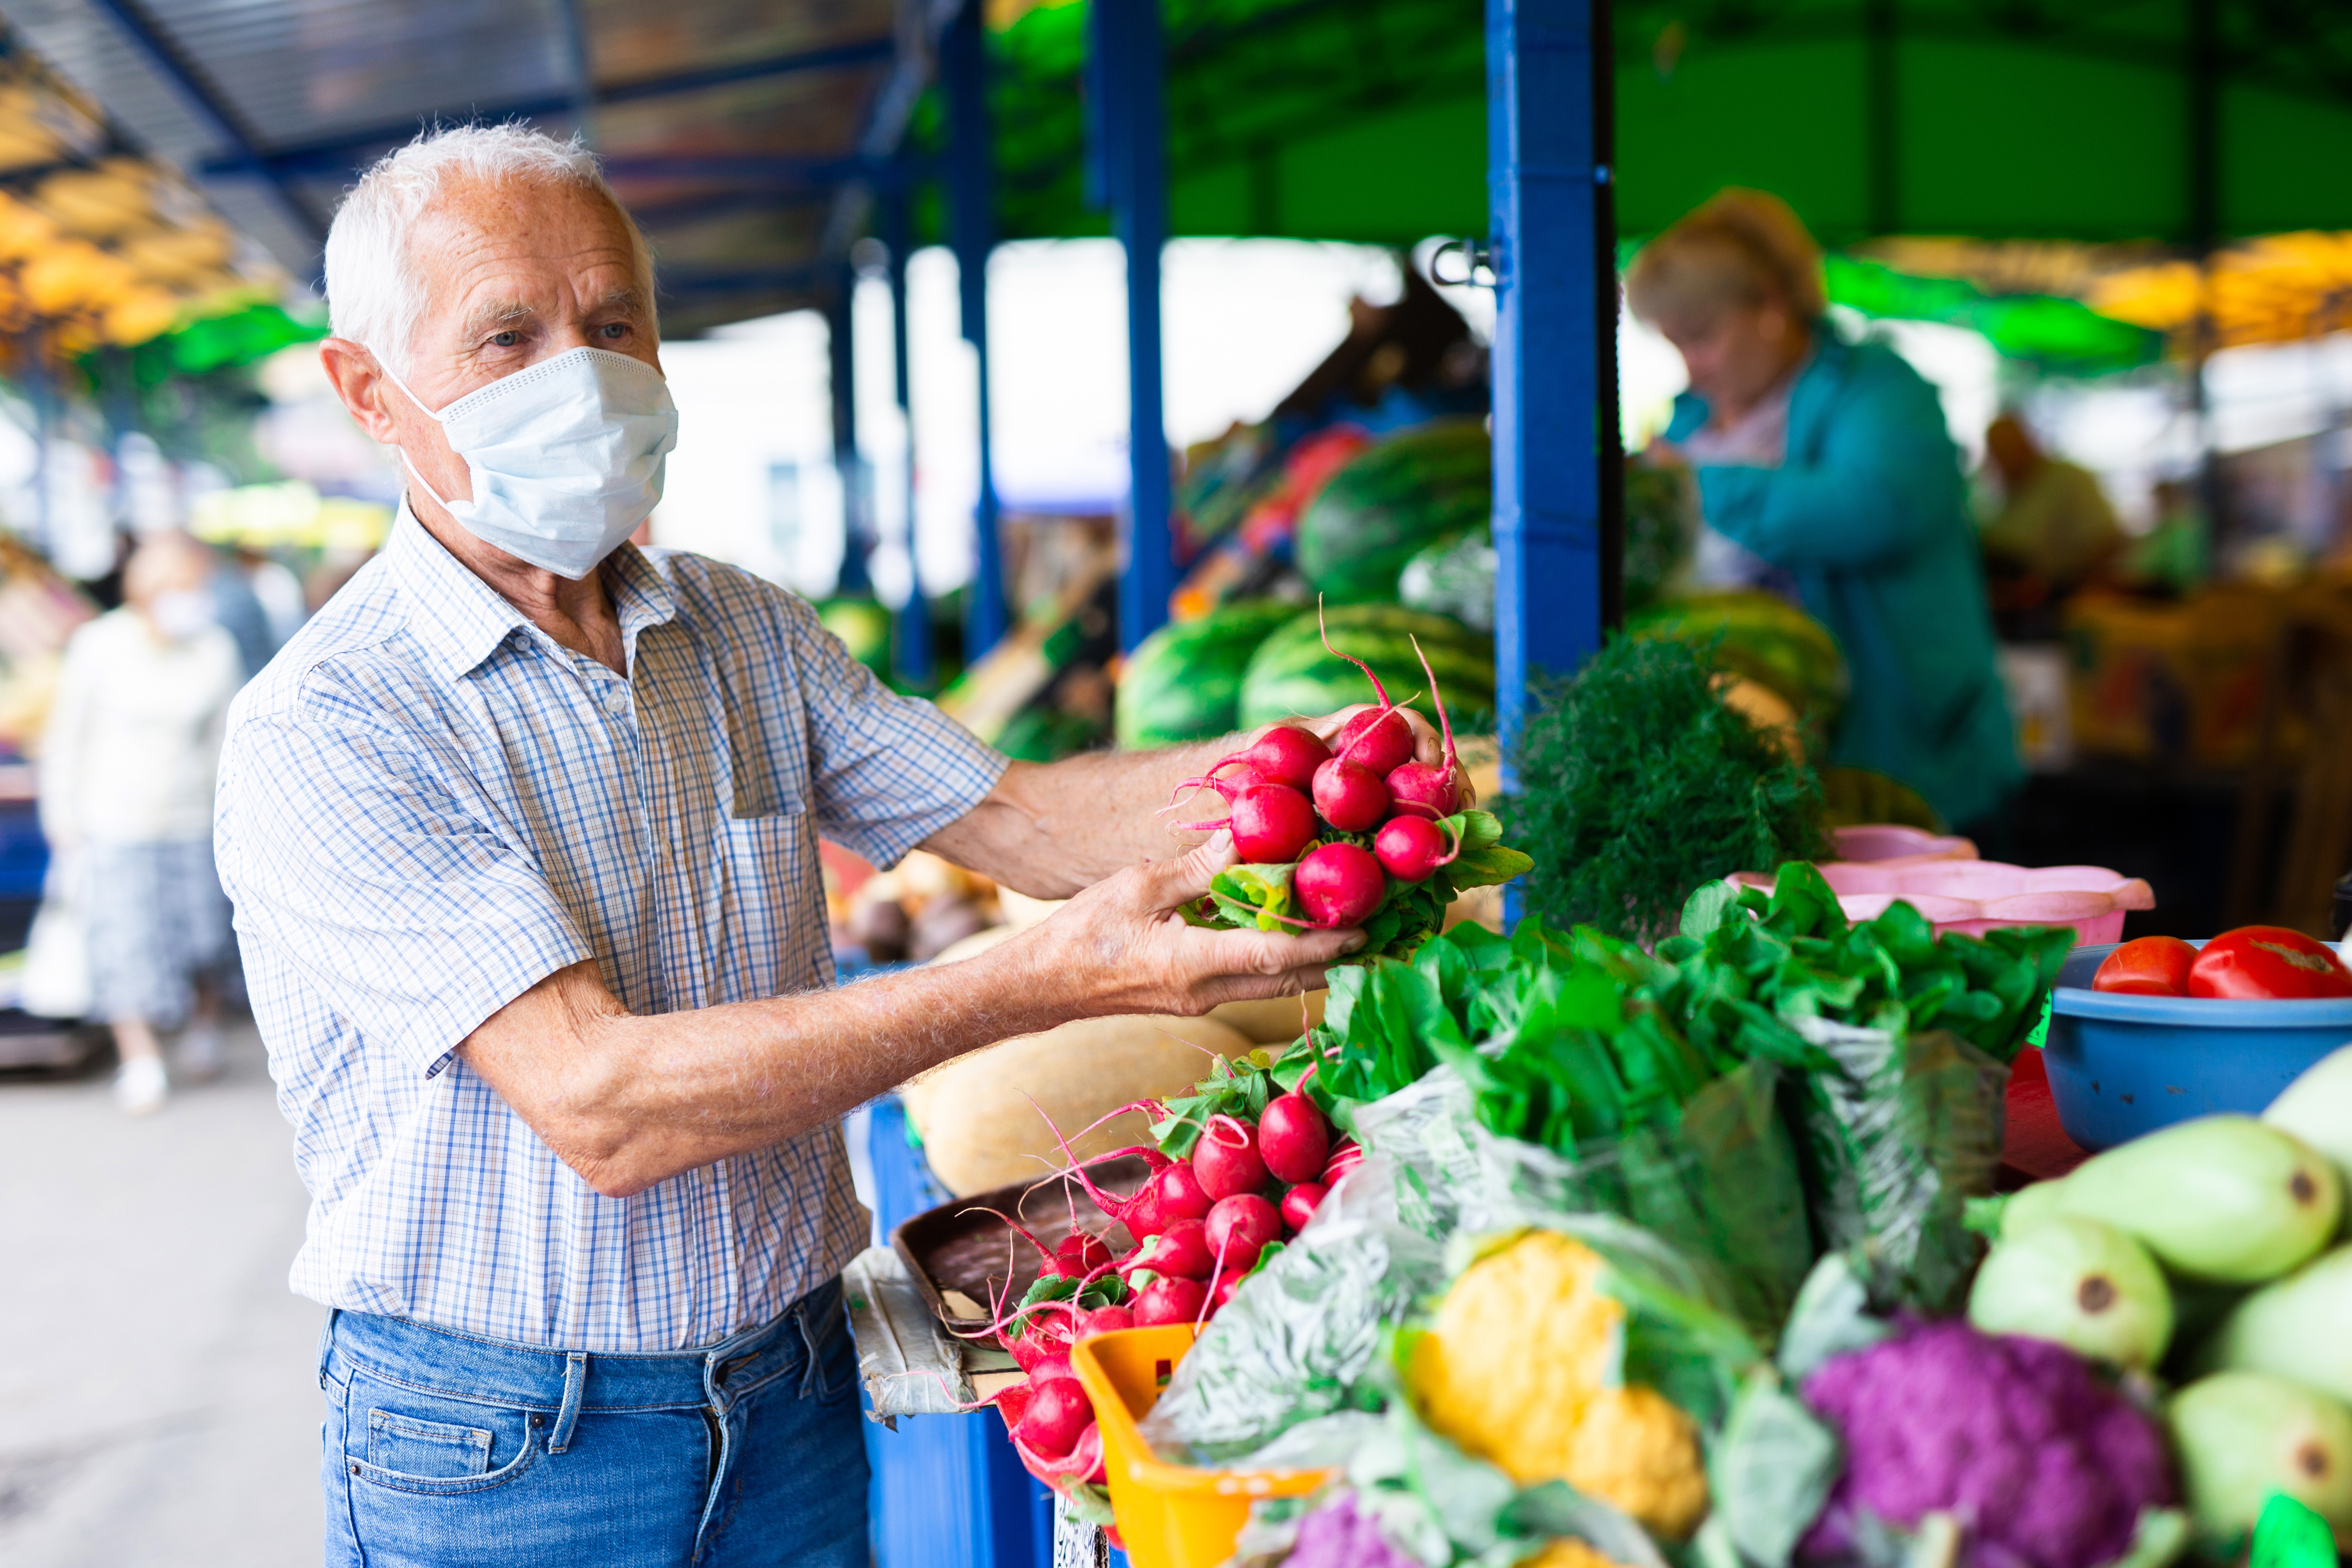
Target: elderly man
(521, 834)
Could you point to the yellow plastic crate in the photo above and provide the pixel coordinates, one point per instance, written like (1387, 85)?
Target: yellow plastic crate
(1170, 1516)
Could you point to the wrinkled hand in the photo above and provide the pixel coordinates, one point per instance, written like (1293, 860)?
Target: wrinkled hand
(1122, 947)
(1428, 746)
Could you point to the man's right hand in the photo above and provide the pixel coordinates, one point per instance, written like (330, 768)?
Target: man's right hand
(1122, 946)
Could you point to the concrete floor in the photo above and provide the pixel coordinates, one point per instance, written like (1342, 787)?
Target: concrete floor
(159, 1400)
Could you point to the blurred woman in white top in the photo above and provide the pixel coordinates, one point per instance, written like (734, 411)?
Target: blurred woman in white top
(127, 773)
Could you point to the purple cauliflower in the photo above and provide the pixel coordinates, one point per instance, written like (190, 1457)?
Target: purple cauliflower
(1337, 1535)
(2041, 1463)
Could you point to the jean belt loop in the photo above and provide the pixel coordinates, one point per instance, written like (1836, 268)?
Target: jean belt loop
(327, 1344)
(575, 1383)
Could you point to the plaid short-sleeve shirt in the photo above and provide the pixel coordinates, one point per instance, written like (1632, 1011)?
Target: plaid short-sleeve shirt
(427, 806)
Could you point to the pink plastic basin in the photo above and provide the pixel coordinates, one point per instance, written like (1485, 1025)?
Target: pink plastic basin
(1974, 896)
(1879, 842)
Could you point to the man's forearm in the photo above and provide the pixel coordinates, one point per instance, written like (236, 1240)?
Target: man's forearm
(627, 1101)
(640, 1098)
(1048, 830)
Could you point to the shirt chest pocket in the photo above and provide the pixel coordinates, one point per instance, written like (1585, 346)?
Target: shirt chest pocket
(774, 918)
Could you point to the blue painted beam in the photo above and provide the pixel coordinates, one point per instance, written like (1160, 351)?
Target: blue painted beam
(164, 54)
(1126, 79)
(1558, 459)
(857, 487)
(338, 155)
(971, 206)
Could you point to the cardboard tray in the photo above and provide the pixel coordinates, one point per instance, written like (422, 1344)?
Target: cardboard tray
(955, 1246)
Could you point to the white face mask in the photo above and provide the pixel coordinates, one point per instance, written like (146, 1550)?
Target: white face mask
(180, 613)
(565, 456)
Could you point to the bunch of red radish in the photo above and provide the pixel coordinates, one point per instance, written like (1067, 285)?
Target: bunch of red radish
(1288, 793)
(1200, 1226)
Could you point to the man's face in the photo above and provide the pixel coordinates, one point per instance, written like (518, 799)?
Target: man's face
(511, 274)
(1734, 354)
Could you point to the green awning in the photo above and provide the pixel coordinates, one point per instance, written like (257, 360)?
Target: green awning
(1365, 120)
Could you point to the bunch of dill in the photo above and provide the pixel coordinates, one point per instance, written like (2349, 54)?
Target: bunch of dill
(1637, 783)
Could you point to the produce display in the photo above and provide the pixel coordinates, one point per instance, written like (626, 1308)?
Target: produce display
(1295, 673)
(2251, 964)
(1183, 683)
(1759, 636)
(1421, 485)
(1557, 1250)
(1639, 783)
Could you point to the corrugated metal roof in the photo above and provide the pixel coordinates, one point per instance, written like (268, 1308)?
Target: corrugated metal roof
(730, 128)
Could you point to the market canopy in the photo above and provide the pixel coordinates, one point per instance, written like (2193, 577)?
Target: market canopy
(732, 129)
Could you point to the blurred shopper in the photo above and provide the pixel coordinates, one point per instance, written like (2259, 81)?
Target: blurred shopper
(1830, 460)
(239, 611)
(522, 834)
(126, 776)
(2054, 531)
(278, 590)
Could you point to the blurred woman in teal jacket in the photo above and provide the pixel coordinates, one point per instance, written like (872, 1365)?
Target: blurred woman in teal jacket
(1830, 461)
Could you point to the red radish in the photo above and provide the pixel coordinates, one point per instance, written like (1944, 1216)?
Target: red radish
(1083, 1463)
(1105, 1320)
(1337, 885)
(1410, 848)
(1298, 1205)
(1059, 1412)
(1046, 1335)
(1284, 754)
(1081, 1253)
(1050, 1367)
(1227, 1161)
(1142, 1217)
(1270, 822)
(1238, 1229)
(1423, 790)
(1293, 1138)
(1177, 1193)
(1170, 1300)
(1182, 1249)
(1449, 799)
(1346, 1155)
(1224, 1293)
(1378, 739)
(1350, 796)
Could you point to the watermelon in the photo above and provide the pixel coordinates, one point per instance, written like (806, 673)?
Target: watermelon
(1183, 683)
(1765, 638)
(1417, 487)
(1291, 676)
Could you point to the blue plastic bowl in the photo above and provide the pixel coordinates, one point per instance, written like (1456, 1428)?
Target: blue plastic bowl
(2122, 1066)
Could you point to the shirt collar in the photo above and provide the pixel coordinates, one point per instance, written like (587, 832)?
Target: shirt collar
(464, 620)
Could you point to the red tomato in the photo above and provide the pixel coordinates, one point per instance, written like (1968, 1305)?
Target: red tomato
(2268, 963)
(2152, 966)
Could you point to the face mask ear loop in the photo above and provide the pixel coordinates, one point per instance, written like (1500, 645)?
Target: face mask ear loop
(407, 461)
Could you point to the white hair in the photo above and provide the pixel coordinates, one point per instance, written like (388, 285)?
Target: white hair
(373, 295)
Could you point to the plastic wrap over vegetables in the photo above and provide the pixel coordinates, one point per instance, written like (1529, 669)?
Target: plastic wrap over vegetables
(1717, 1177)
(1296, 1340)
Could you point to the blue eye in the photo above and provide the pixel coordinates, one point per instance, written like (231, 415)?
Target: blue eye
(506, 339)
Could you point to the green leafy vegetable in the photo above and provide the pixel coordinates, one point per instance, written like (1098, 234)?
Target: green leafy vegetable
(1637, 784)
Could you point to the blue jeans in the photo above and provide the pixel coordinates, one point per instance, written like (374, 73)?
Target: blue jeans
(441, 1449)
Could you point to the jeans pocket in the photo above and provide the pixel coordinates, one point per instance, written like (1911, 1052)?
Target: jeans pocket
(426, 1450)
(404, 1439)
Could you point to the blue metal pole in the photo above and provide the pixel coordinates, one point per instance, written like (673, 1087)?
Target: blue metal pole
(971, 149)
(911, 628)
(1131, 123)
(1557, 461)
(857, 488)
